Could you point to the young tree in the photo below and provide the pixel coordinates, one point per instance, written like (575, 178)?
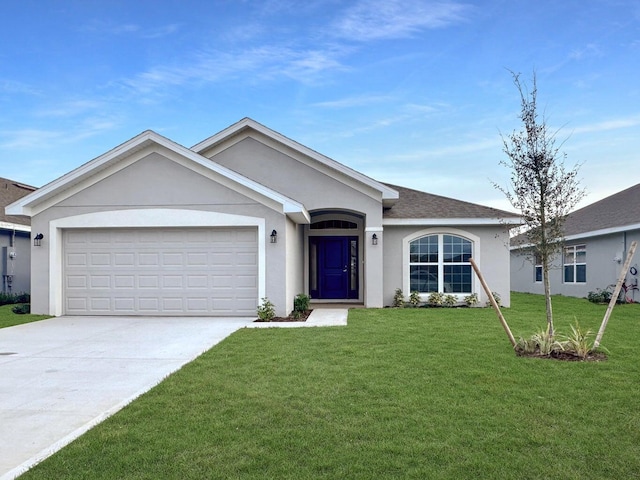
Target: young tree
(541, 188)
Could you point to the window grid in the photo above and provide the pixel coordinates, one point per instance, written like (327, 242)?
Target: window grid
(538, 269)
(575, 264)
(440, 263)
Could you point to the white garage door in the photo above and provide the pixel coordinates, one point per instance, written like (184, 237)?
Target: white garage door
(161, 271)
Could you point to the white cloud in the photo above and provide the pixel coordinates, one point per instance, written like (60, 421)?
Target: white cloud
(388, 19)
(13, 87)
(30, 138)
(70, 108)
(262, 63)
(607, 125)
(355, 101)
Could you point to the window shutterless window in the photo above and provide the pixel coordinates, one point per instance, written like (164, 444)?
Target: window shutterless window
(575, 264)
(538, 269)
(440, 263)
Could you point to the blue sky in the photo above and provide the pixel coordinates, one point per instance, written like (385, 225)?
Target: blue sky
(411, 92)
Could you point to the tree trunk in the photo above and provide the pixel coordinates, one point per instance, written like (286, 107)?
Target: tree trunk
(547, 295)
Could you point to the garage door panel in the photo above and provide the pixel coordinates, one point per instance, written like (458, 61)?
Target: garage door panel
(161, 271)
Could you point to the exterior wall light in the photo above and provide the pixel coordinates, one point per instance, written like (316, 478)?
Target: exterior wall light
(374, 239)
(274, 236)
(37, 240)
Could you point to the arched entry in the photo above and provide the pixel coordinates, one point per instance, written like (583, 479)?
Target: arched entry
(334, 255)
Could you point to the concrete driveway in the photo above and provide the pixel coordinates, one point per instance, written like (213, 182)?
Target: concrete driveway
(62, 376)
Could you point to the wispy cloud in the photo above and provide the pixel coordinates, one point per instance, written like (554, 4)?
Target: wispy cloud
(160, 31)
(608, 125)
(356, 101)
(70, 108)
(30, 137)
(590, 50)
(13, 87)
(108, 28)
(263, 63)
(388, 19)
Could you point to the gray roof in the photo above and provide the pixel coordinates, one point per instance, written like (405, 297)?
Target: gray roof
(618, 210)
(11, 191)
(417, 204)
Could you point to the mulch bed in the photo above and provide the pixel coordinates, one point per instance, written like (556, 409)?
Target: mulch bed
(302, 318)
(567, 356)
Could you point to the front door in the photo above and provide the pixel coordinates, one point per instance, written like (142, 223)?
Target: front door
(333, 267)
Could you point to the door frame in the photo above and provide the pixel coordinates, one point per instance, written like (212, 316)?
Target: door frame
(351, 257)
(351, 216)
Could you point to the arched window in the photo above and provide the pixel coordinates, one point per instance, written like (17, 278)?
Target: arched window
(440, 263)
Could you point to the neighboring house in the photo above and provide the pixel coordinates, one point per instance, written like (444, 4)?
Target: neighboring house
(15, 244)
(597, 238)
(154, 228)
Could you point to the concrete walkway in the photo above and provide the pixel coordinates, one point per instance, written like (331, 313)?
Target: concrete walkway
(62, 376)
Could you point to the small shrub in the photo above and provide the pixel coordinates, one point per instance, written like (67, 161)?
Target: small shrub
(603, 295)
(22, 309)
(13, 298)
(599, 296)
(435, 299)
(398, 298)
(496, 297)
(471, 300)
(414, 298)
(449, 301)
(301, 303)
(266, 310)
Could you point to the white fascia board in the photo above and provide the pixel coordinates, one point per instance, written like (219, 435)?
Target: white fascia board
(23, 205)
(593, 233)
(388, 193)
(145, 139)
(506, 222)
(15, 226)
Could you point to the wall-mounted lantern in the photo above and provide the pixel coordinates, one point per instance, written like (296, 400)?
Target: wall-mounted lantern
(274, 236)
(37, 240)
(374, 239)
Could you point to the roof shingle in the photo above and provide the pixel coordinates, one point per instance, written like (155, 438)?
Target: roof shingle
(10, 191)
(417, 204)
(617, 210)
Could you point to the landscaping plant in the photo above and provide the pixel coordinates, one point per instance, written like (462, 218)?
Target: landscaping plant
(398, 298)
(414, 299)
(266, 310)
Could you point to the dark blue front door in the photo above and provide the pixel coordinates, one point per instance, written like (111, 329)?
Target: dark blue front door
(334, 267)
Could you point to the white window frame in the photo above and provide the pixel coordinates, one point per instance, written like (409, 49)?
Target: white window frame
(537, 264)
(406, 264)
(573, 250)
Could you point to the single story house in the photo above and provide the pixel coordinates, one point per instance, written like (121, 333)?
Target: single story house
(155, 228)
(597, 238)
(15, 231)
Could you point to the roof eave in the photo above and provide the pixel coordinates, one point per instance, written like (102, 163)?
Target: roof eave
(592, 233)
(505, 222)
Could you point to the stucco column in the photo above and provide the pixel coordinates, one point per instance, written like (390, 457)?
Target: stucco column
(373, 271)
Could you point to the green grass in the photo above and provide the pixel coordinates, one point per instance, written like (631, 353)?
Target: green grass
(411, 393)
(10, 319)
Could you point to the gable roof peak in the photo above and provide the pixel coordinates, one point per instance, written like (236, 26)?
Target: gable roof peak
(388, 194)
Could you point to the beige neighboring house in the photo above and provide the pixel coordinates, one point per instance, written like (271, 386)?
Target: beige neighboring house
(15, 231)
(154, 228)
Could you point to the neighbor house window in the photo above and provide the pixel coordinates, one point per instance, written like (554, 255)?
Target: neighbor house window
(538, 269)
(440, 263)
(575, 264)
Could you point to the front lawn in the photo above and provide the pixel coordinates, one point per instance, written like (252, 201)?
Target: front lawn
(414, 393)
(10, 319)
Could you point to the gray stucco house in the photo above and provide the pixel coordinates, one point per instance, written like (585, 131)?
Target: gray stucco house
(15, 244)
(597, 238)
(154, 228)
